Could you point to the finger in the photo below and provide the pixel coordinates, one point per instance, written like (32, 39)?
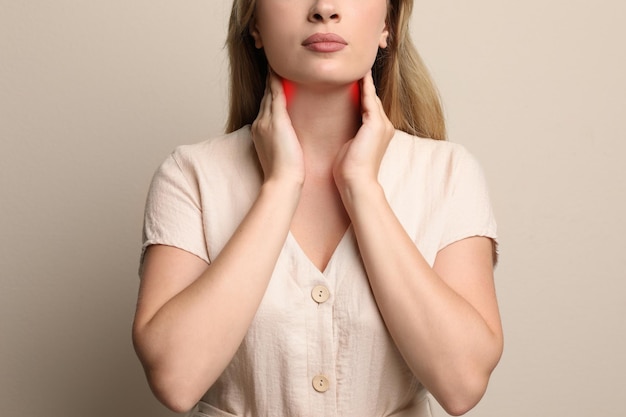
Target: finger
(264, 106)
(279, 101)
(368, 93)
(264, 110)
(268, 93)
(368, 81)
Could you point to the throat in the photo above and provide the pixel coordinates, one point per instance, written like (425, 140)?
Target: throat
(328, 113)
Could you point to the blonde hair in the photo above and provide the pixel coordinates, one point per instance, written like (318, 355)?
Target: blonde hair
(403, 83)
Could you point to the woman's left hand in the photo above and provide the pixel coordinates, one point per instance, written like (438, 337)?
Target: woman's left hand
(359, 160)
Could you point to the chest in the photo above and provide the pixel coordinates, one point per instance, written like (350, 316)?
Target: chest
(320, 222)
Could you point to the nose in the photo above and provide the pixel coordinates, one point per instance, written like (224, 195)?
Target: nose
(324, 11)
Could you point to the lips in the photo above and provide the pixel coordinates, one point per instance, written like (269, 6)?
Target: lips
(324, 42)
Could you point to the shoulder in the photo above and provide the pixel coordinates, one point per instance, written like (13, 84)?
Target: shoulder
(214, 167)
(224, 147)
(213, 160)
(436, 159)
(436, 151)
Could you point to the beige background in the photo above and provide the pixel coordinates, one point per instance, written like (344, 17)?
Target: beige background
(93, 95)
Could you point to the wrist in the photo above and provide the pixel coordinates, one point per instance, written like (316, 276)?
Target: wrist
(358, 192)
(283, 187)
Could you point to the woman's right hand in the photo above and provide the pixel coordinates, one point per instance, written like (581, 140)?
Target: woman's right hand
(274, 138)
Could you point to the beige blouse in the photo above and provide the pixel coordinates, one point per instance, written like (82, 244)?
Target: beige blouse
(318, 345)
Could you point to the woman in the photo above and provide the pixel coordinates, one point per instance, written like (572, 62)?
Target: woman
(324, 260)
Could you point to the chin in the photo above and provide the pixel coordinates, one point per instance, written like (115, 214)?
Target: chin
(329, 73)
(325, 80)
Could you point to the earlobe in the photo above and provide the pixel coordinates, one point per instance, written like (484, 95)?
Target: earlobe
(256, 35)
(384, 36)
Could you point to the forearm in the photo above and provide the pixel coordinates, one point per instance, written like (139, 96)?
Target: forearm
(446, 342)
(192, 337)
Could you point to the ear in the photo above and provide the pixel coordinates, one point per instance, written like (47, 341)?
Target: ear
(254, 32)
(384, 35)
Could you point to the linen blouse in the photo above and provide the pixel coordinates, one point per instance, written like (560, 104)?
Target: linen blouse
(318, 345)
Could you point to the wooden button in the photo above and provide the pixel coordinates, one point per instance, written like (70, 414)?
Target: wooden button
(320, 383)
(320, 294)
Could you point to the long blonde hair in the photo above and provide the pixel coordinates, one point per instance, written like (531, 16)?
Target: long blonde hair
(402, 81)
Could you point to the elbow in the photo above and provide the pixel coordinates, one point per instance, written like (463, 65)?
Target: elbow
(176, 394)
(458, 408)
(174, 403)
(464, 398)
(175, 388)
(169, 383)
(464, 386)
(472, 382)
(468, 389)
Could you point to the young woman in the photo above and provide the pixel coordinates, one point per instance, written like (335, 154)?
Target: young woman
(323, 258)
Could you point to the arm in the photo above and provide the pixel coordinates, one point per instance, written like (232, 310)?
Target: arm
(444, 319)
(192, 317)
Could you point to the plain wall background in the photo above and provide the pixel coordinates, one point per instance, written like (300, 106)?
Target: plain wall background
(94, 95)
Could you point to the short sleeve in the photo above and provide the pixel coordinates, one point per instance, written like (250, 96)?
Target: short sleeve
(173, 214)
(468, 207)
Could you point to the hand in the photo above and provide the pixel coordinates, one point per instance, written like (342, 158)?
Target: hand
(359, 160)
(274, 138)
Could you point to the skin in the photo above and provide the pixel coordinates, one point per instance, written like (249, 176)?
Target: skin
(320, 158)
(281, 38)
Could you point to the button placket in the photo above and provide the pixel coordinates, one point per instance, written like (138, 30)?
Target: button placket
(321, 348)
(320, 294)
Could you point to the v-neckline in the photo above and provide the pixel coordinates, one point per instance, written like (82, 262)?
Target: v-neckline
(301, 253)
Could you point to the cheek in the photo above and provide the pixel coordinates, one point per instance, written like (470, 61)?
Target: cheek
(375, 19)
(279, 62)
(370, 49)
(275, 47)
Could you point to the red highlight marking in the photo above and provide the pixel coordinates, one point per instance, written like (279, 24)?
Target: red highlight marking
(355, 94)
(289, 88)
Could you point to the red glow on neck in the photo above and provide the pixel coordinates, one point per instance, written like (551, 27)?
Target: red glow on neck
(355, 94)
(289, 88)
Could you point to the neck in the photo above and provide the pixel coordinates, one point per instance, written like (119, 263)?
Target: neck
(324, 120)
